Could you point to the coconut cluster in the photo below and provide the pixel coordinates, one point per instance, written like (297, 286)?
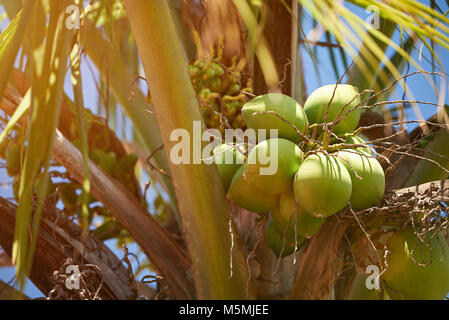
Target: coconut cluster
(319, 175)
(220, 93)
(313, 180)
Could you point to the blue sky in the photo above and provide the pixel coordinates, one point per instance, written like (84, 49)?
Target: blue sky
(417, 84)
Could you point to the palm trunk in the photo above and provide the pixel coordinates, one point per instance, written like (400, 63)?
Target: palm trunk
(281, 19)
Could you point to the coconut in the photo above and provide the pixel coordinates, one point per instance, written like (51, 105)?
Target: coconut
(322, 185)
(276, 241)
(406, 279)
(39, 185)
(276, 176)
(360, 139)
(105, 160)
(13, 160)
(346, 96)
(3, 148)
(356, 288)
(367, 176)
(68, 196)
(284, 106)
(251, 198)
(228, 160)
(290, 212)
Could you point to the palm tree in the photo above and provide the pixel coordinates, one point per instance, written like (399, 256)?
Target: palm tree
(74, 179)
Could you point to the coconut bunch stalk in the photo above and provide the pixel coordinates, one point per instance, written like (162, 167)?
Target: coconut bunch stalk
(216, 25)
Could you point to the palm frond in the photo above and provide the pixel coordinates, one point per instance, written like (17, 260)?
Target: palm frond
(259, 44)
(49, 67)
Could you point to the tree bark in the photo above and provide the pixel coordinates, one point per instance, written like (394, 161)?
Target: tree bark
(320, 263)
(440, 189)
(9, 293)
(280, 34)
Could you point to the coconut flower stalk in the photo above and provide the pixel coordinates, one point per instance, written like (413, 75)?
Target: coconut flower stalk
(218, 264)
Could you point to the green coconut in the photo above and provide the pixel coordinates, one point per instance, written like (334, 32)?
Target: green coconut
(284, 106)
(3, 148)
(13, 160)
(275, 240)
(249, 197)
(67, 193)
(357, 289)
(105, 160)
(346, 96)
(368, 186)
(359, 139)
(322, 185)
(406, 279)
(275, 176)
(39, 185)
(228, 160)
(290, 212)
(124, 167)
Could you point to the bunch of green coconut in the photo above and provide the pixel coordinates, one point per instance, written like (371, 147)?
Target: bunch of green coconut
(415, 268)
(310, 182)
(315, 180)
(218, 88)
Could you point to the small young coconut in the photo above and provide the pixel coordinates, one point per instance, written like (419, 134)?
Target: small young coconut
(346, 96)
(276, 241)
(249, 197)
(68, 196)
(13, 159)
(106, 160)
(228, 160)
(39, 185)
(322, 185)
(272, 164)
(3, 148)
(284, 106)
(367, 176)
(290, 212)
(406, 279)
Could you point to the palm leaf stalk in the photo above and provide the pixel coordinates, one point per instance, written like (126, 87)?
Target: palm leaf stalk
(217, 261)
